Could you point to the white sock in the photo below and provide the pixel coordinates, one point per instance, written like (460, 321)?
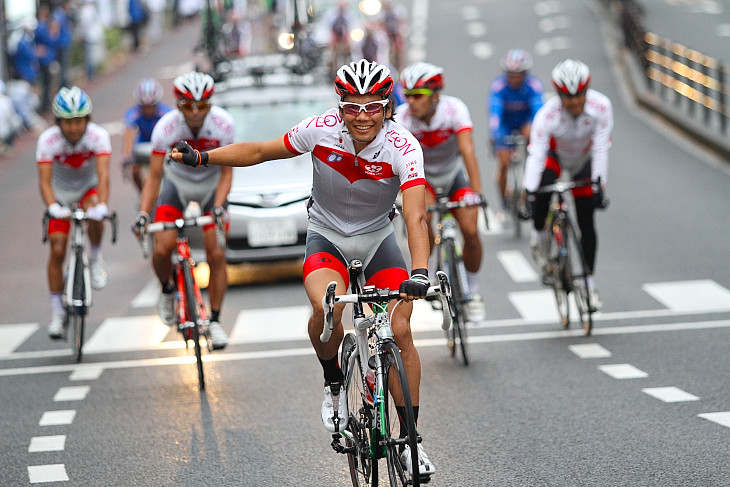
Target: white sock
(94, 251)
(472, 278)
(56, 303)
(591, 283)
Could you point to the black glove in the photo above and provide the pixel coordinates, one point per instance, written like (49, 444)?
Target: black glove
(191, 157)
(524, 212)
(143, 218)
(417, 286)
(599, 199)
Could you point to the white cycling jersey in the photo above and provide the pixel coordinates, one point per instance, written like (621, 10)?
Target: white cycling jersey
(438, 138)
(573, 139)
(354, 194)
(218, 130)
(74, 165)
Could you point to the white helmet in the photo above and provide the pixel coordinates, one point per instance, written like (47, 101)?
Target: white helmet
(363, 78)
(422, 75)
(516, 61)
(194, 86)
(71, 103)
(148, 92)
(571, 77)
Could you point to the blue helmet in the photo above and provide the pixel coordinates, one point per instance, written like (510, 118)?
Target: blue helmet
(71, 103)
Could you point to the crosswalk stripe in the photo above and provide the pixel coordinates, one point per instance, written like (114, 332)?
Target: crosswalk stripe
(690, 295)
(130, 333)
(670, 394)
(148, 296)
(12, 336)
(517, 266)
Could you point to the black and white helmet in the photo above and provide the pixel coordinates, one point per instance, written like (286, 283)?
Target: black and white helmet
(194, 86)
(571, 77)
(363, 78)
(422, 75)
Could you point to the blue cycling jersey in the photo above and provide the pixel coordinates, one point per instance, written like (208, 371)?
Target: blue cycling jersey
(510, 109)
(134, 118)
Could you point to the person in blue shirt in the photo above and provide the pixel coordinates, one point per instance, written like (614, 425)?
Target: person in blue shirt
(139, 120)
(65, 38)
(25, 55)
(514, 98)
(47, 35)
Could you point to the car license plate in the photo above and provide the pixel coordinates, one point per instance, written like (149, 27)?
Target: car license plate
(268, 233)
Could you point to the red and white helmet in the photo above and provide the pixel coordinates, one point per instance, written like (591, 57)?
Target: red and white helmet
(148, 92)
(516, 61)
(571, 77)
(363, 78)
(422, 75)
(194, 86)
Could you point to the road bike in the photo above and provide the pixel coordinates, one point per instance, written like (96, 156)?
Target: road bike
(77, 280)
(566, 268)
(375, 379)
(191, 314)
(449, 260)
(515, 171)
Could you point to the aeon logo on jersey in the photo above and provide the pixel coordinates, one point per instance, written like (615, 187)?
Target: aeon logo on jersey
(334, 157)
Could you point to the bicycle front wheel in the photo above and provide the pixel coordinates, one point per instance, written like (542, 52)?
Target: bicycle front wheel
(363, 469)
(457, 279)
(558, 274)
(194, 316)
(578, 275)
(515, 200)
(390, 430)
(76, 313)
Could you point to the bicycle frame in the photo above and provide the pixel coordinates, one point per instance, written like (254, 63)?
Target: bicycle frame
(518, 144)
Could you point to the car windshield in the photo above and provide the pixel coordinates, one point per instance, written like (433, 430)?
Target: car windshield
(270, 121)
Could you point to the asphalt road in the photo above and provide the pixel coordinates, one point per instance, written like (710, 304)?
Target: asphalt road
(643, 402)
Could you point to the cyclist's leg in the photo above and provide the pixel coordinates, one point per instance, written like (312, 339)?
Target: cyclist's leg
(585, 210)
(169, 208)
(503, 153)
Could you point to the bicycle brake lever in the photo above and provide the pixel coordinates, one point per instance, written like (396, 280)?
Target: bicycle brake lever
(445, 298)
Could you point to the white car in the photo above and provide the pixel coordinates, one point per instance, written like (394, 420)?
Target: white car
(268, 202)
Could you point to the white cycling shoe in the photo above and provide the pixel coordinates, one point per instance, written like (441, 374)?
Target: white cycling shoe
(218, 337)
(55, 327)
(425, 467)
(97, 273)
(166, 308)
(328, 410)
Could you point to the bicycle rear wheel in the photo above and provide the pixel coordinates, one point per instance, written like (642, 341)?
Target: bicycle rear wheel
(515, 200)
(558, 274)
(194, 317)
(578, 275)
(363, 469)
(389, 431)
(457, 279)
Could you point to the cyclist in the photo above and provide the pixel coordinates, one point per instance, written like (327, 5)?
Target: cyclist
(139, 120)
(204, 126)
(361, 159)
(571, 132)
(514, 98)
(340, 21)
(73, 168)
(443, 126)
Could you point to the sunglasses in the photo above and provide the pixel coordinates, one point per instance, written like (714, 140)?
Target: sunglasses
(418, 93)
(372, 108)
(188, 105)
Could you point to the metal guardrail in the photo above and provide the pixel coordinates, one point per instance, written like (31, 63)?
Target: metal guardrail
(688, 86)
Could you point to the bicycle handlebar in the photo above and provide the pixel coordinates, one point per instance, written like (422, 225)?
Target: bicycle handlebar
(178, 224)
(79, 215)
(442, 290)
(563, 186)
(443, 205)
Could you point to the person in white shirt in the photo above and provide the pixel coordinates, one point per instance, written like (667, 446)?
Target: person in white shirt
(571, 133)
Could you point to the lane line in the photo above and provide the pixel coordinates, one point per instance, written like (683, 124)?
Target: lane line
(517, 266)
(39, 474)
(57, 418)
(670, 394)
(47, 443)
(72, 393)
(722, 418)
(623, 371)
(304, 351)
(589, 350)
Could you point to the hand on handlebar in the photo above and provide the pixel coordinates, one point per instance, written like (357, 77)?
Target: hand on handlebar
(140, 222)
(98, 212)
(185, 154)
(57, 211)
(416, 287)
(524, 212)
(472, 199)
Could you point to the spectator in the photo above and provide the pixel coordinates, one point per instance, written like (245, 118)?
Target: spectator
(92, 37)
(62, 15)
(47, 35)
(156, 10)
(26, 103)
(24, 55)
(137, 21)
(10, 122)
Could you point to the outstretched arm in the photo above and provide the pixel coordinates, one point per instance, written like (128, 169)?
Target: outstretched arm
(240, 154)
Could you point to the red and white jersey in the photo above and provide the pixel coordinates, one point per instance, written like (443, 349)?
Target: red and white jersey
(218, 130)
(438, 138)
(74, 166)
(353, 194)
(573, 139)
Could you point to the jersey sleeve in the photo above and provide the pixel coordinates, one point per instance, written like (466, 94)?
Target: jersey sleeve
(496, 107)
(537, 150)
(44, 151)
(602, 139)
(304, 136)
(408, 158)
(462, 118)
(160, 138)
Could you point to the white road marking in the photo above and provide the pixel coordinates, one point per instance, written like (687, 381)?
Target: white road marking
(623, 371)
(90, 373)
(549, 24)
(39, 474)
(722, 418)
(57, 418)
(702, 294)
(470, 13)
(263, 325)
(517, 266)
(670, 394)
(476, 29)
(589, 350)
(47, 443)
(147, 298)
(536, 305)
(130, 333)
(12, 336)
(304, 351)
(73, 393)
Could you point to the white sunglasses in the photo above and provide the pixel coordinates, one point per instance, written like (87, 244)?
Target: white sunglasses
(353, 109)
